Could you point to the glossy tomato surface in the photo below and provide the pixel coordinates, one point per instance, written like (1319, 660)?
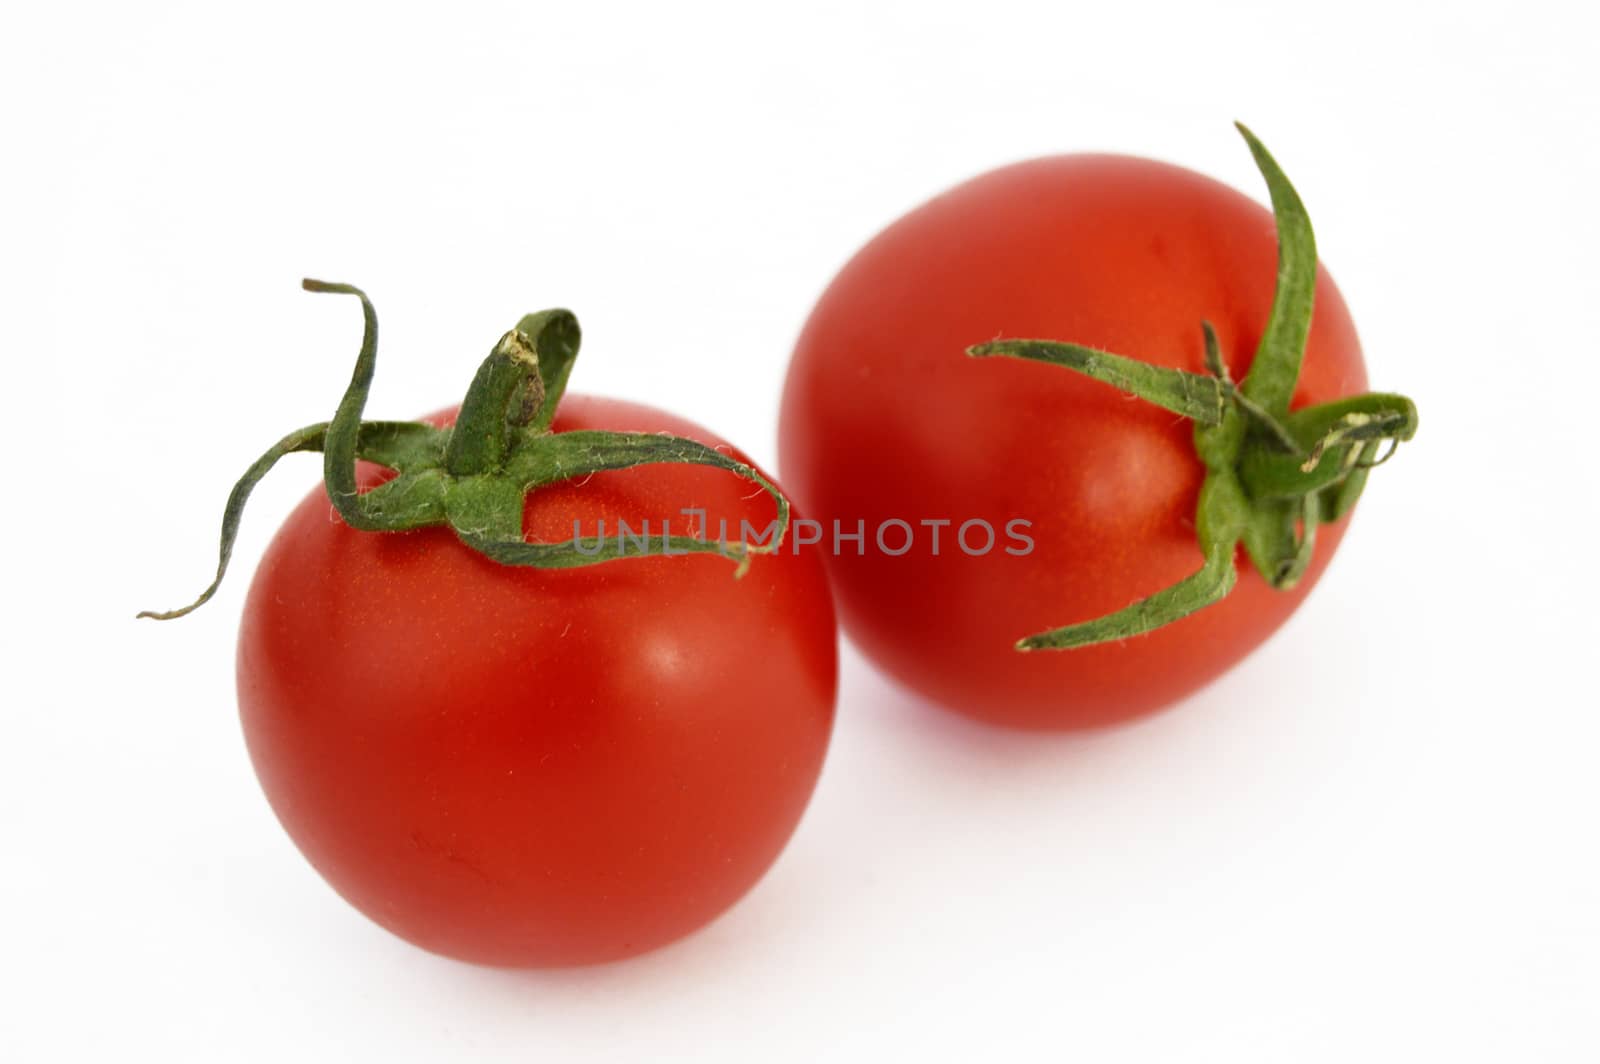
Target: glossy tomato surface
(536, 768)
(884, 418)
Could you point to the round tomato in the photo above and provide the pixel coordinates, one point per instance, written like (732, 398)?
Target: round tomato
(532, 767)
(884, 420)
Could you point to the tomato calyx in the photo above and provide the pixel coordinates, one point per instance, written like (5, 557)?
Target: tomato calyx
(1272, 475)
(473, 476)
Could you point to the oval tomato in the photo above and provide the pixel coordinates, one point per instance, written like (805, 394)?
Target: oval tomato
(884, 419)
(522, 766)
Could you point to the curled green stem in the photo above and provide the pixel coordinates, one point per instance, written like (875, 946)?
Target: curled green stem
(474, 476)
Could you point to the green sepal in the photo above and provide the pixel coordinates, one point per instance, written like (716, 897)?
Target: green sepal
(339, 447)
(1330, 441)
(404, 446)
(593, 550)
(1193, 395)
(588, 451)
(1218, 528)
(1338, 499)
(1209, 585)
(474, 477)
(1276, 366)
(565, 455)
(1272, 476)
(401, 445)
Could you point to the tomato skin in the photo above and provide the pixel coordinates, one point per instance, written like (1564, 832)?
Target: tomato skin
(527, 767)
(883, 417)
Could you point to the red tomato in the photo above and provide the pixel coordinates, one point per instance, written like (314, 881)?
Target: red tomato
(538, 767)
(884, 418)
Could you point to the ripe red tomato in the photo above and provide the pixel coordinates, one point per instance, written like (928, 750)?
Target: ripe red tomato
(884, 419)
(533, 767)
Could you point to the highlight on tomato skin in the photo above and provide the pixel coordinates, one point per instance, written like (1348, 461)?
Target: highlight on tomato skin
(1096, 276)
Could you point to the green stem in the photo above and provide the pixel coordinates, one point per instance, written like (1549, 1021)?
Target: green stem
(514, 395)
(474, 477)
(1272, 476)
(498, 398)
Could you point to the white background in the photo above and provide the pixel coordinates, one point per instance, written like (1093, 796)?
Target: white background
(1373, 841)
